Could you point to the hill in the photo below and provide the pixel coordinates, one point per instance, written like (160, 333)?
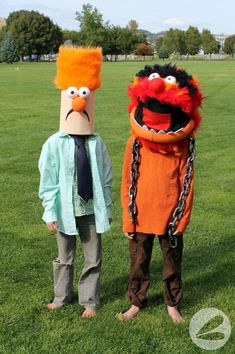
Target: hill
(152, 37)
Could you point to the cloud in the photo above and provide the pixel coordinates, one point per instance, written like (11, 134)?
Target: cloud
(64, 15)
(173, 22)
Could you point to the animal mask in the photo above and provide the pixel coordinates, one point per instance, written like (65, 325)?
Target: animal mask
(164, 102)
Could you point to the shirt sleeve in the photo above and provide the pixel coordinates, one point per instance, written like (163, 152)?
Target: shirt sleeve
(49, 185)
(107, 179)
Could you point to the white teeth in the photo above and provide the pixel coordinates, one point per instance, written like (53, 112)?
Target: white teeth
(160, 131)
(179, 130)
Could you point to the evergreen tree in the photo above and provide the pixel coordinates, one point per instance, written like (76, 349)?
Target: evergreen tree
(9, 51)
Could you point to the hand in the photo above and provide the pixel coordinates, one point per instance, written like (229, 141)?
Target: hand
(52, 227)
(177, 233)
(129, 235)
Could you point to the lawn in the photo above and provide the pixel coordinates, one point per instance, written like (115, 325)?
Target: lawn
(29, 114)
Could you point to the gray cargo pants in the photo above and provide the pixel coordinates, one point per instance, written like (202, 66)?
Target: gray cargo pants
(63, 265)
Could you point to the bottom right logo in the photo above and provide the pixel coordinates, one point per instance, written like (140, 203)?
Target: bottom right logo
(220, 333)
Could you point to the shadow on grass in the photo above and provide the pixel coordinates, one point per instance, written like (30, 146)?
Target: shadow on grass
(207, 269)
(114, 289)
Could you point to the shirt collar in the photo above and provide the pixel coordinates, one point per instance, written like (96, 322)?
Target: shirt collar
(63, 135)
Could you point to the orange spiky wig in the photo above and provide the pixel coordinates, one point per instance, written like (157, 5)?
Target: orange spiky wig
(78, 66)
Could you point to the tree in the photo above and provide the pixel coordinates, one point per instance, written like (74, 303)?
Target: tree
(169, 41)
(159, 43)
(34, 33)
(209, 43)
(9, 51)
(114, 41)
(2, 33)
(144, 49)
(229, 45)
(193, 40)
(92, 27)
(73, 36)
(180, 42)
(133, 26)
(2, 28)
(174, 42)
(129, 40)
(163, 52)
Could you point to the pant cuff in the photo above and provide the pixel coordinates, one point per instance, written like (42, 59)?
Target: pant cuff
(135, 300)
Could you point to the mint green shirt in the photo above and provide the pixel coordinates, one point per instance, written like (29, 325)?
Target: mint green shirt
(56, 166)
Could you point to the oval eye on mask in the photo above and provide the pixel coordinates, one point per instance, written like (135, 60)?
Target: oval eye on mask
(170, 79)
(153, 76)
(72, 92)
(84, 92)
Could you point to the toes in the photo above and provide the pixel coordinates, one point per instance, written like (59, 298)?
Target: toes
(87, 313)
(52, 306)
(128, 315)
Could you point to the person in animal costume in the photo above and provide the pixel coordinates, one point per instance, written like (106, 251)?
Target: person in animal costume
(157, 178)
(76, 176)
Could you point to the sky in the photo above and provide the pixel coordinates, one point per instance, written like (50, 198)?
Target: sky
(152, 15)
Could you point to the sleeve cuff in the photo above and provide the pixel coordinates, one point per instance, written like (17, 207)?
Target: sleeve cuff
(49, 216)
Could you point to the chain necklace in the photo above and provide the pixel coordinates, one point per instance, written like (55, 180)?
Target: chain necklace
(179, 210)
(134, 174)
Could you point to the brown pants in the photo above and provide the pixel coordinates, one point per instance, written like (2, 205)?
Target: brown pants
(139, 280)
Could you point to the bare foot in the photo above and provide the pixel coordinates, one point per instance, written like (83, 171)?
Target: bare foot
(52, 306)
(174, 314)
(87, 313)
(129, 314)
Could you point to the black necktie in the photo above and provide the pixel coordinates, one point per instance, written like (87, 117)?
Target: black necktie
(83, 168)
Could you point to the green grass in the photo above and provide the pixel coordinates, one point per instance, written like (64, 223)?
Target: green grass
(29, 114)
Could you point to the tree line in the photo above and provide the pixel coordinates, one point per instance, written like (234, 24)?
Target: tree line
(31, 34)
(190, 42)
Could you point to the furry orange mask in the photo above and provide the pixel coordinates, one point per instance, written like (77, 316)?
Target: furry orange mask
(164, 101)
(78, 76)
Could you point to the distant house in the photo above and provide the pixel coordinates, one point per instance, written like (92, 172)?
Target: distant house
(221, 39)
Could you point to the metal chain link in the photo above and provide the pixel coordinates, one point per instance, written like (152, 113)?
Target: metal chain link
(179, 210)
(134, 174)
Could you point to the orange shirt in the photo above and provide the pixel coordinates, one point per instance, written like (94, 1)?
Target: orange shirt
(158, 187)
